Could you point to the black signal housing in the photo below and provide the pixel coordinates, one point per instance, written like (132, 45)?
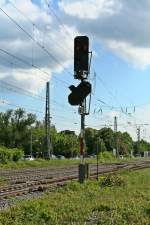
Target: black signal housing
(79, 93)
(81, 56)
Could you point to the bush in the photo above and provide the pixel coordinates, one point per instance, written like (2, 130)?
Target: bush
(17, 154)
(107, 156)
(112, 180)
(9, 155)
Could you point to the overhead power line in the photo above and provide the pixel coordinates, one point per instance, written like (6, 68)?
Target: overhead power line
(36, 26)
(23, 61)
(5, 102)
(37, 43)
(59, 20)
(18, 106)
(124, 109)
(31, 65)
(109, 91)
(18, 90)
(45, 50)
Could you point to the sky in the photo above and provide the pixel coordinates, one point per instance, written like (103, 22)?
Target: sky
(36, 46)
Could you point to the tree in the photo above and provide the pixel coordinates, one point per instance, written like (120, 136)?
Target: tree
(124, 143)
(90, 140)
(6, 128)
(140, 147)
(99, 145)
(14, 127)
(21, 123)
(66, 145)
(107, 135)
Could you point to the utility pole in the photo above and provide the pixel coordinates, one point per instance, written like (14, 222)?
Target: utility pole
(31, 142)
(138, 139)
(47, 150)
(115, 136)
(97, 151)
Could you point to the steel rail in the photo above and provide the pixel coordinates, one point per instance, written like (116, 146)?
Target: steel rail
(27, 187)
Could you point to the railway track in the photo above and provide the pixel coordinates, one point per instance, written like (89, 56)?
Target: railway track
(23, 182)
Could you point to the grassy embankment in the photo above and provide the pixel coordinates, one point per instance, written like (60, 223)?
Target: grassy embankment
(103, 158)
(115, 200)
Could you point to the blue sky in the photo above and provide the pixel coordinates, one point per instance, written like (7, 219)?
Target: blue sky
(119, 39)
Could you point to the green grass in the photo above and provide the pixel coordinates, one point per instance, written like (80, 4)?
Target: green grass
(106, 158)
(47, 163)
(42, 163)
(121, 200)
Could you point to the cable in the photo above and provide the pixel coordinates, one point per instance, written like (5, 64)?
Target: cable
(32, 65)
(34, 24)
(5, 102)
(23, 61)
(19, 90)
(112, 95)
(37, 43)
(41, 46)
(109, 92)
(33, 110)
(12, 64)
(22, 91)
(58, 19)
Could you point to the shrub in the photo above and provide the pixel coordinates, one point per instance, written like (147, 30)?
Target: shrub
(112, 180)
(17, 154)
(107, 156)
(8, 155)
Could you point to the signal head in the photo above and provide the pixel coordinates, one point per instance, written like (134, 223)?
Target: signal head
(81, 56)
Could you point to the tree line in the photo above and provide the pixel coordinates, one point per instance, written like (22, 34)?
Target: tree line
(17, 127)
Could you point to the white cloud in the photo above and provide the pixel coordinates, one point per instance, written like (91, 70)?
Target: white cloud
(29, 79)
(121, 26)
(139, 56)
(90, 9)
(45, 32)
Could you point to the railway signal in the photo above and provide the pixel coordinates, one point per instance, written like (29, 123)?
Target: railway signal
(79, 93)
(81, 57)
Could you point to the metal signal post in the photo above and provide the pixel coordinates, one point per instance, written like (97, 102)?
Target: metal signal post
(82, 132)
(138, 139)
(79, 94)
(47, 150)
(115, 136)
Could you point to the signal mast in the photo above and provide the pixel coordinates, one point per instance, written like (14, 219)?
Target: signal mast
(78, 94)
